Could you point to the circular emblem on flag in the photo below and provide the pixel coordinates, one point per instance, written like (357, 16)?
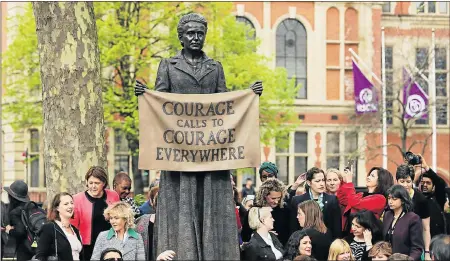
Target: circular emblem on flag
(366, 95)
(415, 105)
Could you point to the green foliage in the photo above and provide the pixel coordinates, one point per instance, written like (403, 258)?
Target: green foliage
(22, 108)
(133, 37)
(139, 199)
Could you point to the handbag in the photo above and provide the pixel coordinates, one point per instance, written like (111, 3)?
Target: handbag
(50, 258)
(55, 257)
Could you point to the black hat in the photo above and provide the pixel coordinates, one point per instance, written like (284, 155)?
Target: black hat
(18, 190)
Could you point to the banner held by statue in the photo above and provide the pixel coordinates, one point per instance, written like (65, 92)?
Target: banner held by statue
(199, 132)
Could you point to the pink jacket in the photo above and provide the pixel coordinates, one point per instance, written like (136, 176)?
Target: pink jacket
(82, 218)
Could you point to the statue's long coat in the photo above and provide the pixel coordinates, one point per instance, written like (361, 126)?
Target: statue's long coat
(195, 212)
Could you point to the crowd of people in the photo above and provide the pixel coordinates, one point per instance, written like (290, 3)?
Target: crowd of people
(321, 216)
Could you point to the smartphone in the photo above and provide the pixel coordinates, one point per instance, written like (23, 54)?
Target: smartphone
(350, 164)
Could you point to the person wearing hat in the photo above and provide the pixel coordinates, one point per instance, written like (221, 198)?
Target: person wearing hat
(268, 170)
(18, 197)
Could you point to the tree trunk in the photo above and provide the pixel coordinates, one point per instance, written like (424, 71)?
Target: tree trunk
(72, 96)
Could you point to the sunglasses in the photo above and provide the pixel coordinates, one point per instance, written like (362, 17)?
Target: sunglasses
(267, 176)
(114, 259)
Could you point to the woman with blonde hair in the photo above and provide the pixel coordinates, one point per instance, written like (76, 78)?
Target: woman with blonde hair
(122, 235)
(310, 219)
(271, 194)
(263, 244)
(340, 250)
(333, 180)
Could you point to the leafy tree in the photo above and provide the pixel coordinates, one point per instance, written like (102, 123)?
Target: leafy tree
(72, 97)
(22, 107)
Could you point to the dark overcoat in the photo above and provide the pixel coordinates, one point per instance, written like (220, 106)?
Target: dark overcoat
(195, 215)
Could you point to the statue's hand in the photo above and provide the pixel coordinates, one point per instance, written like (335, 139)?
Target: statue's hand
(257, 87)
(139, 88)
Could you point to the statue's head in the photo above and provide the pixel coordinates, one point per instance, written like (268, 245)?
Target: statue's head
(192, 30)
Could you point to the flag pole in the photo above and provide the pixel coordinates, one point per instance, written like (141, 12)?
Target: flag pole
(361, 62)
(432, 81)
(383, 96)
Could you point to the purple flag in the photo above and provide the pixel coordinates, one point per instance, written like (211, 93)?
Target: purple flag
(414, 98)
(366, 99)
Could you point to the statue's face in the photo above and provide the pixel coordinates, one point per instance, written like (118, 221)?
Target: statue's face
(193, 37)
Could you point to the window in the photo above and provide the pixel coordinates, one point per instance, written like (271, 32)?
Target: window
(441, 80)
(121, 152)
(432, 7)
(386, 7)
(342, 147)
(291, 52)
(441, 86)
(33, 158)
(250, 33)
(389, 84)
(292, 161)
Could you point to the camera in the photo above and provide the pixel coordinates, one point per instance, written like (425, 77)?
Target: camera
(412, 158)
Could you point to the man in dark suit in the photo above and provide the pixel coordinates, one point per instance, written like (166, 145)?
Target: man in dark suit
(329, 204)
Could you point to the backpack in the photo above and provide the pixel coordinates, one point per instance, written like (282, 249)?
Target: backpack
(33, 218)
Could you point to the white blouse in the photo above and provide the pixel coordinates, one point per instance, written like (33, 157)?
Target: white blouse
(268, 240)
(75, 244)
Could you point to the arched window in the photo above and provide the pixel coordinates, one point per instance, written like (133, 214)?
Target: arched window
(250, 33)
(291, 52)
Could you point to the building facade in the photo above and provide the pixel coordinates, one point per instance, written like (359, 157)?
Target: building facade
(312, 40)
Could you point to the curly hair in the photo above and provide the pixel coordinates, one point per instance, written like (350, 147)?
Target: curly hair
(265, 189)
(292, 246)
(123, 210)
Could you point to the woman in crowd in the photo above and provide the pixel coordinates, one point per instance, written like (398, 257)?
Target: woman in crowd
(145, 225)
(68, 240)
(263, 245)
(328, 204)
(271, 194)
(401, 226)
(111, 254)
(299, 244)
(340, 250)
(381, 251)
(121, 236)
(89, 207)
(18, 197)
(366, 231)
(333, 180)
(310, 219)
(378, 181)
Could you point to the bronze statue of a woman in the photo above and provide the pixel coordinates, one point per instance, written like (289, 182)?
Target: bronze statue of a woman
(195, 215)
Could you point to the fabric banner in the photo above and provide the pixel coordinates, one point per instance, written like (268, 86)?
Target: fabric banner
(414, 98)
(366, 99)
(199, 132)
